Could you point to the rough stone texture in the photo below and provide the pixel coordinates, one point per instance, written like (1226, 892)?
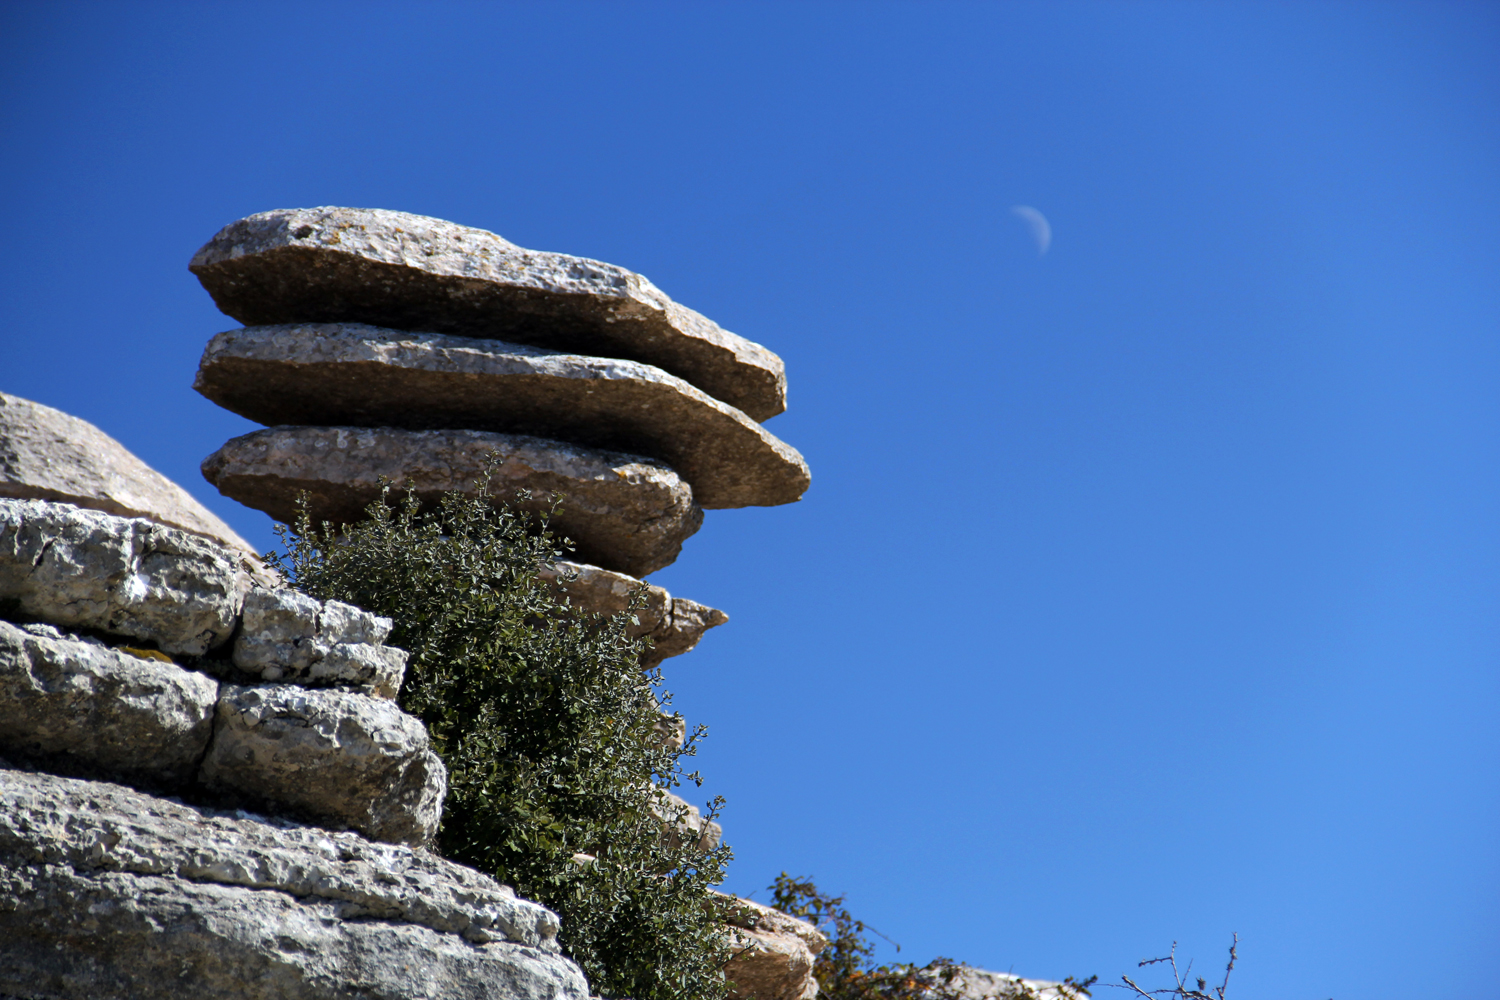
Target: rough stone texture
(674, 624)
(86, 569)
(352, 374)
(411, 272)
(84, 707)
(46, 454)
(682, 823)
(622, 511)
(287, 635)
(334, 757)
(107, 892)
(773, 953)
(981, 984)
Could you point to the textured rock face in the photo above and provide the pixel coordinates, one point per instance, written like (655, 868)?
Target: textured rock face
(410, 272)
(351, 374)
(674, 624)
(85, 569)
(287, 635)
(682, 823)
(981, 984)
(334, 757)
(46, 454)
(623, 511)
(107, 892)
(86, 707)
(773, 953)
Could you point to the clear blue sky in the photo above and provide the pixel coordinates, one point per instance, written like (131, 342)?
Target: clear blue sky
(1146, 590)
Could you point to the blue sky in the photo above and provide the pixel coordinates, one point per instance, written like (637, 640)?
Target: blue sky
(1146, 590)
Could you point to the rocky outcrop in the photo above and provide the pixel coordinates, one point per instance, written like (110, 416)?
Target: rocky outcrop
(969, 983)
(108, 892)
(350, 373)
(773, 953)
(411, 272)
(46, 454)
(673, 624)
(287, 636)
(626, 512)
(335, 757)
(682, 823)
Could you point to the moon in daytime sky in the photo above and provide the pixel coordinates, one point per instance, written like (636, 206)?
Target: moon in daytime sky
(1041, 230)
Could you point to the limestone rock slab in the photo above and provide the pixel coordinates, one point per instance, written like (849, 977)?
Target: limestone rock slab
(78, 703)
(46, 454)
(334, 757)
(288, 636)
(106, 892)
(366, 376)
(683, 823)
(410, 272)
(674, 624)
(623, 511)
(86, 569)
(982, 984)
(773, 953)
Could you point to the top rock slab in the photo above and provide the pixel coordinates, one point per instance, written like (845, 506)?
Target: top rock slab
(411, 272)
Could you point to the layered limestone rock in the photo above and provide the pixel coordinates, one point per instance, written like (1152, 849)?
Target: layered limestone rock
(773, 953)
(626, 512)
(334, 757)
(410, 272)
(970, 983)
(46, 454)
(288, 636)
(682, 823)
(108, 892)
(673, 624)
(128, 576)
(353, 374)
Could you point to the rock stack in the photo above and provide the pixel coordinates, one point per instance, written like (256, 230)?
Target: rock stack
(386, 346)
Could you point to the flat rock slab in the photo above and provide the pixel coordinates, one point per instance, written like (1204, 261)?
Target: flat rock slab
(366, 376)
(410, 272)
(334, 757)
(674, 624)
(107, 892)
(773, 953)
(683, 823)
(626, 512)
(286, 635)
(86, 569)
(84, 707)
(46, 454)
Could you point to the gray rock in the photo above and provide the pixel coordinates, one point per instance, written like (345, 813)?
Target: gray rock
(46, 454)
(623, 511)
(288, 636)
(981, 984)
(348, 373)
(86, 569)
(410, 272)
(674, 624)
(334, 757)
(106, 892)
(682, 823)
(773, 953)
(86, 707)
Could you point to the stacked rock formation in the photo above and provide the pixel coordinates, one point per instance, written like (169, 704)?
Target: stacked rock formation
(386, 346)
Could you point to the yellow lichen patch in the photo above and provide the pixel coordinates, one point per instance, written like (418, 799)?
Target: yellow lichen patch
(146, 654)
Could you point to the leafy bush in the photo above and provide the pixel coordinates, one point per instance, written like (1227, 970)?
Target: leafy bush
(546, 723)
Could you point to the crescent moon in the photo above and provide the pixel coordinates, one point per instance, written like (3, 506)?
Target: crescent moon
(1041, 229)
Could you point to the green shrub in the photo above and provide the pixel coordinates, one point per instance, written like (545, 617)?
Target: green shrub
(545, 721)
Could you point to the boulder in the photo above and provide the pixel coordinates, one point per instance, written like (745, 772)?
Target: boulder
(682, 823)
(128, 576)
(87, 708)
(288, 636)
(409, 272)
(970, 983)
(108, 892)
(366, 376)
(46, 454)
(623, 511)
(334, 757)
(674, 624)
(773, 953)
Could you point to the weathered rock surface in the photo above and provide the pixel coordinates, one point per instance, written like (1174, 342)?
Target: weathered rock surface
(674, 624)
(334, 757)
(84, 707)
(773, 953)
(87, 569)
(410, 272)
(622, 511)
(352, 374)
(682, 823)
(107, 892)
(46, 454)
(981, 984)
(285, 635)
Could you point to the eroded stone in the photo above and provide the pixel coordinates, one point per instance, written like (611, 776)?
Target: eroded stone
(411, 272)
(683, 823)
(288, 636)
(674, 624)
(773, 953)
(366, 376)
